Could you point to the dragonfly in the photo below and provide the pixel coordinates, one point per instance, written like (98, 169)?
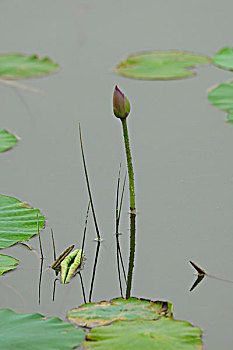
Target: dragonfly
(201, 274)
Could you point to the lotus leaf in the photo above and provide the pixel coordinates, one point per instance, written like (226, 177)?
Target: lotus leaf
(56, 265)
(163, 65)
(7, 140)
(18, 221)
(7, 263)
(105, 312)
(224, 58)
(164, 333)
(70, 265)
(36, 332)
(221, 96)
(17, 66)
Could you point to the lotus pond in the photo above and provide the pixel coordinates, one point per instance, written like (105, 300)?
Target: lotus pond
(173, 62)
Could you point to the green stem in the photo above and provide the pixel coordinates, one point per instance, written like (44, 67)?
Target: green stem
(132, 208)
(130, 165)
(131, 255)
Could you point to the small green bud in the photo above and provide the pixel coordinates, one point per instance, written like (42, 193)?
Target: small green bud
(121, 105)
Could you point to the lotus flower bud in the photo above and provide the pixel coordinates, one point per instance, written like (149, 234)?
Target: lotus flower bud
(121, 105)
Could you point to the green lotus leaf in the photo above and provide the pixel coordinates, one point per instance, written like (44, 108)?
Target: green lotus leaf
(18, 221)
(105, 312)
(56, 265)
(18, 66)
(161, 65)
(221, 96)
(162, 334)
(7, 263)
(7, 140)
(224, 58)
(70, 265)
(230, 118)
(36, 332)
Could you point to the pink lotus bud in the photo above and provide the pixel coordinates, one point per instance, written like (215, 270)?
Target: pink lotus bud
(121, 106)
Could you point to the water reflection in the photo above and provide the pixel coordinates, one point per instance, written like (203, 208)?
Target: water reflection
(196, 282)
(40, 278)
(117, 233)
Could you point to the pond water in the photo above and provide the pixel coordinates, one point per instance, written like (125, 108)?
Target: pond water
(181, 149)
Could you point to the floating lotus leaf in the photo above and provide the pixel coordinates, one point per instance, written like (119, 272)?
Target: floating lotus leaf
(18, 221)
(7, 263)
(18, 66)
(7, 140)
(134, 324)
(224, 58)
(105, 312)
(36, 332)
(162, 334)
(161, 65)
(221, 96)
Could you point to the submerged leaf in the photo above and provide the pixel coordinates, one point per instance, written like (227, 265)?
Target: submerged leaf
(70, 265)
(7, 140)
(224, 58)
(17, 222)
(105, 312)
(16, 66)
(7, 263)
(161, 65)
(36, 332)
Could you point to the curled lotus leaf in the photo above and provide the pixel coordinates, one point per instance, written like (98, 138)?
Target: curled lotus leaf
(70, 265)
(57, 263)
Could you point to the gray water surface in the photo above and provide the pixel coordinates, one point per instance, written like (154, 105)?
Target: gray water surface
(182, 150)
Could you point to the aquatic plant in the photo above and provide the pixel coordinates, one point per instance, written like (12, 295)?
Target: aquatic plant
(121, 109)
